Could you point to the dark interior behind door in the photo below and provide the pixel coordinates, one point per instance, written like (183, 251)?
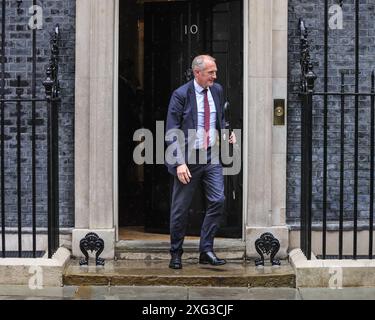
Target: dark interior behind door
(176, 32)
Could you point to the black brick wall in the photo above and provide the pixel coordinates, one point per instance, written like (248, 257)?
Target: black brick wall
(18, 59)
(341, 58)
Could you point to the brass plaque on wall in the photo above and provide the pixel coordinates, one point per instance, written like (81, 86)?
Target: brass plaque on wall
(279, 112)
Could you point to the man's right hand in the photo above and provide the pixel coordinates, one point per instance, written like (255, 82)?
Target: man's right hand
(183, 174)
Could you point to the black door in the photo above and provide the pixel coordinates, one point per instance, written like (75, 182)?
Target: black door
(176, 32)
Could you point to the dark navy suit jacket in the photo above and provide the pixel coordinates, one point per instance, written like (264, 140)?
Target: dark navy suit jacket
(183, 115)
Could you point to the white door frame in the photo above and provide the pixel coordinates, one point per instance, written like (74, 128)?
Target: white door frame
(115, 121)
(245, 124)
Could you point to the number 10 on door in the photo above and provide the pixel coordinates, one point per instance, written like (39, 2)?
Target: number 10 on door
(194, 29)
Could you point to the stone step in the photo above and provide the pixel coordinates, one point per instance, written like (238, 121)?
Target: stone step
(230, 249)
(157, 273)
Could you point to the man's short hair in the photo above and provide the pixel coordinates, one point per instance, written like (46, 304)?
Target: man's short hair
(199, 62)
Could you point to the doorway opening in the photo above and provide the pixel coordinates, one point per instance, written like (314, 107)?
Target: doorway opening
(158, 41)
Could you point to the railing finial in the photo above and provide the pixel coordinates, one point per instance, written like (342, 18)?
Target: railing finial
(308, 76)
(52, 84)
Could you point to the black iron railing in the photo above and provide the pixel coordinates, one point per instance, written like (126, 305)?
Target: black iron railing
(52, 87)
(310, 98)
(18, 105)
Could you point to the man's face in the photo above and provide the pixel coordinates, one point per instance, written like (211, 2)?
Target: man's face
(207, 76)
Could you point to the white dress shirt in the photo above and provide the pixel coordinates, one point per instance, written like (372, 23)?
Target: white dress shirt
(199, 93)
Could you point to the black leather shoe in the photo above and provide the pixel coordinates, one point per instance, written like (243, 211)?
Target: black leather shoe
(211, 258)
(176, 262)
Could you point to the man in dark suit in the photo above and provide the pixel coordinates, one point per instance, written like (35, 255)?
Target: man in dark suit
(197, 106)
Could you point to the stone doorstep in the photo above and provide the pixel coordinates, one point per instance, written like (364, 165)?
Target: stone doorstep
(48, 271)
(157, 273)
(334, 274)
(230, 249)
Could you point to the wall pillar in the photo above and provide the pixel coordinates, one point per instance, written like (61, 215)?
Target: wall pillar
(94, 135)
(268, 49)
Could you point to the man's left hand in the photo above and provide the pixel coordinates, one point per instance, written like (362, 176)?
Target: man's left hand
(233, 138)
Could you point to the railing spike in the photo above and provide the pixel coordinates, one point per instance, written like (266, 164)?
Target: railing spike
(308, 76)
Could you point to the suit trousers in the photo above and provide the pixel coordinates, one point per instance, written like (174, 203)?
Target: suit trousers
(211, 175)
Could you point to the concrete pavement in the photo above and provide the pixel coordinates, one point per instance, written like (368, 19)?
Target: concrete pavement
(182, 293)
